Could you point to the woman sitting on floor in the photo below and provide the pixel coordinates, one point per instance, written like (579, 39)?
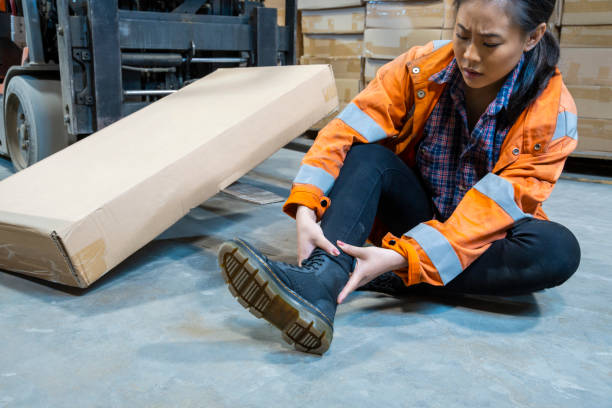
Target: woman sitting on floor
(443, 161)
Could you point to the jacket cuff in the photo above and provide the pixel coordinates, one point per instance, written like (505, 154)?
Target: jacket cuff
(308, 196)
(411, 274)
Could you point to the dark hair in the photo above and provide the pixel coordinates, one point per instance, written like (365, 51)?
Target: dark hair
(540, 62)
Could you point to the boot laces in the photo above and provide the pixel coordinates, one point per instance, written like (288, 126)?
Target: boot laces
(312, 262)
(316, 259)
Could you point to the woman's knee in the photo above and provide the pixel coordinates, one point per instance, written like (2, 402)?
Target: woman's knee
(555, 249)
(536, 255)
(567, 256)
(373, 155)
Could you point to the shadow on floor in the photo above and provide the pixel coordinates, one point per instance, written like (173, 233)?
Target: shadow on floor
(160, 270)
(182, 249)
(477, 313)
(207, 217)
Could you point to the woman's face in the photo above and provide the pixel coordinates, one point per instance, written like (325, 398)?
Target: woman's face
(487, 44)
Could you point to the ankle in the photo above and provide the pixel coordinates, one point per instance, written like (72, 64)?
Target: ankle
(344, 262)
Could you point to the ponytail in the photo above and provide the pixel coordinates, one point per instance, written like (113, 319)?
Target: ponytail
(539, 66)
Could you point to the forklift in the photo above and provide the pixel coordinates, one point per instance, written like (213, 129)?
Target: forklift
(69, 68)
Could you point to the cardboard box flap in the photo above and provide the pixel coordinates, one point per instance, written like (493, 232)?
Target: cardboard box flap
(30, 245)
(111, 193)
(34, 252)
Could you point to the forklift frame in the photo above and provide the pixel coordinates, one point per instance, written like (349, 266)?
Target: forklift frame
(96, 40)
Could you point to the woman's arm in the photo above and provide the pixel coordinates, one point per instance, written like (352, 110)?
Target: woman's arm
(378, 112)
(310, 235)
(371, 262)
(496, 202)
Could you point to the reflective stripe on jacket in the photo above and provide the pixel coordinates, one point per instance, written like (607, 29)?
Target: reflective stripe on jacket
(392, 111)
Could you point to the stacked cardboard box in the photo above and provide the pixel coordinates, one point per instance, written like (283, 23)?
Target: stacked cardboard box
(392, 27)
(554, 24)
(586, 61)
(279, 5)
(333, 34)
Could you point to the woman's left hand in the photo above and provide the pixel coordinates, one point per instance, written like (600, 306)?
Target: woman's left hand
(371, 262)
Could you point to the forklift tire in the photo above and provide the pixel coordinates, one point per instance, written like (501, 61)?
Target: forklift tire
(34, 120)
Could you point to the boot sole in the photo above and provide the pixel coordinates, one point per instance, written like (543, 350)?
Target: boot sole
(262, 293)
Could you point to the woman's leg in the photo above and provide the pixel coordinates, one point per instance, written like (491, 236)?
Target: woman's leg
(535, 255)
(301, 301)
(373, 178)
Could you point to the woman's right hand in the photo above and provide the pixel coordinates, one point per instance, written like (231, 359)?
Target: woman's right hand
(310, 235)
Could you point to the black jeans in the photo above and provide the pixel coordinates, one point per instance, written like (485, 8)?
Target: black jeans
(535, 255)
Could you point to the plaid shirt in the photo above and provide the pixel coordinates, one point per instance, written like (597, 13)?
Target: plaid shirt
(449, 158)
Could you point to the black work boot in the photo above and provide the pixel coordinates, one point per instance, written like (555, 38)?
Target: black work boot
(389, 284)
(300, 301)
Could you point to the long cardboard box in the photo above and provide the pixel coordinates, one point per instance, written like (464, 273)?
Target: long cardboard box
(334, 21)
(77, 214)
(586, 36)
(587, 12)
(594, 135)
(333, 45)
(323, 122)
(371, 67)
(388, 44)
(593, 102)
(326, 4)
(343, 67)
(405, 14)
(586, 66)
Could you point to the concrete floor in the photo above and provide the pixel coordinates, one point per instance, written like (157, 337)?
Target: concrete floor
(161, 330)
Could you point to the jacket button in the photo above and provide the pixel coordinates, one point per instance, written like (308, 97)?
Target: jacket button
(421, 94)
(537, 147)
(323, 203)
(516, 151)
(416, 70)
(392, 242)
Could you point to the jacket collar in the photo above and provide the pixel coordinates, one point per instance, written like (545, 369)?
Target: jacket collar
(431, 64)
(535, 125)
(451, 75)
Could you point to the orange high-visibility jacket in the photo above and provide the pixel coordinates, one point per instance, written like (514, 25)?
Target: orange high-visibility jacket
(392, 111)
